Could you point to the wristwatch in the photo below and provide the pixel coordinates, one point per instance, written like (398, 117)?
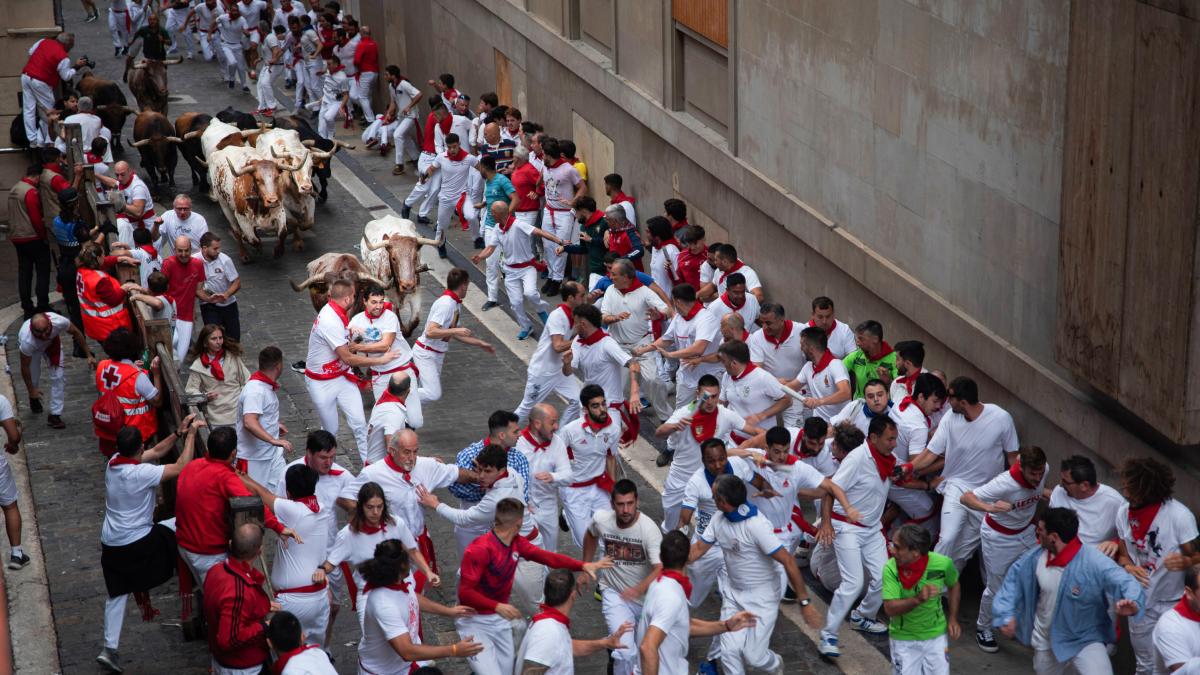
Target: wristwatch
(804, 602)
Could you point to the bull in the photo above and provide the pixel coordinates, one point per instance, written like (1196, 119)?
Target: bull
(323, 271)
(154, 138)
(312, 140)
(110, 104)
(391, 251)
(218, 135)
(241, 120)
(296, 185)
(189, 127)
(247, 188)
(148, 82)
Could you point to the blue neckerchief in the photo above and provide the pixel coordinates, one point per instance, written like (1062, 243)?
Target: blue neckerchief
(710, 477)
(743, 512)
(869, 414)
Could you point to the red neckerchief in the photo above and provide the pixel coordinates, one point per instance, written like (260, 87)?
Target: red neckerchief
(557, 163)
(1015, 472)
(667, 242)
(729, 303)
(527, 434)
(911, 573)
(596, 336)
(453, 295)
(681, 578)
(908, 381)
(1065, 556)
(126, 184)
(1141, 518)
(387, 459)
(884, 350)
(791, 459)
(621, 197)
(259, 376)
(311, 502)
(745, 335)
(389, 397)
(458, 156)
(549, 612)
(746, 371)
(332, 471)
(118, 460)
(1185, 610)
(213, 364)
(826, 359)
(508, 224)
(395, 587)
(633, 286)
(570, 315)
(724, 275)
(502, 476)
(341, 313)
(279, 665)
(704, 425)
(93, 159)
(799, 449)
(593, 219)
(55, 167)
(150, 251)
(691, 313)
(885, 464)
(907, 401)
(366, 528)
(595, 427)
(783, 335)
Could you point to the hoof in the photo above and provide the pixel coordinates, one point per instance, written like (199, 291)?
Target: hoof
(278, 251)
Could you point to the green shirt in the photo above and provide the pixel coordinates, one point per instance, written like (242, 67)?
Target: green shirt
(927, 620)
(863, 370)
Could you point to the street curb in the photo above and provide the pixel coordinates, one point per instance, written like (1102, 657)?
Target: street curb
(30, 616)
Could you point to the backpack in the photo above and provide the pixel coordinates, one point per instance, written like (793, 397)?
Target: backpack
(108, 415)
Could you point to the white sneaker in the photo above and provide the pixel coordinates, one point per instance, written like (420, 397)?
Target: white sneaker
(866, 625)
(829, 647)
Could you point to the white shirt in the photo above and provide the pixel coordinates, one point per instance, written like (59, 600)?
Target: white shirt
(546, 362)
(1176, 641)
(634, 549)
(902, 386)
(266, 49)
(857, 413)
(231, 30)
(517, 242)
(666, 608)
(974, 450)
(329, 486)
(30, 344)
(601, 363)
(912, 431)
(745, 270)
(90, 126)
(333, 86)
(374, 329)
(704, 325)
(294, 562)
(130, 491)
(206, 16)
(137, 190)
(858, 476)
(561, 182)
(482, 514)
(786, 481)
(402, 95)
(346, 54)
(455, 174)
(548, 643)
(387, 418)
(387, 614)
(698, 497)
(257, 398)
(352, 547)
(327, 334)
(1048, 579)
(781, 359)
(1006, 488)
(748, 311)
(172, 227)
(219, 276)
(664, 264)
(1097, 514)
(280, 17)
(311, 661)
(1173, 526)
(747, 546)
(401, 492)
(824, 383)
(550, 458)
(634, 330)
(589, 449)
(823, 461)
(750, 393)
(840, 340)
(6, 413)
(443, 312)
(146, 265)
(687, 459)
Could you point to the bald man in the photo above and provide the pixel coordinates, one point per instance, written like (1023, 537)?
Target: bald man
(139, 204)
(236, 606)
(549, 466)
(40, 338)
(520, 273)
(185, 275)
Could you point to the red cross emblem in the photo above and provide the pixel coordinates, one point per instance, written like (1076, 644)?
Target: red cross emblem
(110, 377)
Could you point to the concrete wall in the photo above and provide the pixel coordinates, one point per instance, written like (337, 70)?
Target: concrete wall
(904, 162)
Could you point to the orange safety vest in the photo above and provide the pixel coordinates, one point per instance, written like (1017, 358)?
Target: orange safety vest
(99, 318)
(122, 377)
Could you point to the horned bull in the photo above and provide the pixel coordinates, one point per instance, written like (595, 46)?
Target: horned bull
(391, 250)
(330, 267)
(154, 139)
(108, 100)
(148, 81)
(246, 185)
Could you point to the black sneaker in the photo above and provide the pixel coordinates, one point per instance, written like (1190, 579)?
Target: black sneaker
(664, 458)
(109, 659)
(230, 83)
(55, 422)
(35, 405)
(405, 211)
(479, 243)
(490, 305)
(442, 252)
(986, 641)
(789, 595)
(298, 367)
(423, 220)
(16, 562)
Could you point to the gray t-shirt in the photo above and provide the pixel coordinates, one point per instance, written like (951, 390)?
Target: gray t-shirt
(634, 549)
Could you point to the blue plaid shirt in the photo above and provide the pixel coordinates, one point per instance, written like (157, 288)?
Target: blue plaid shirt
(470, 492)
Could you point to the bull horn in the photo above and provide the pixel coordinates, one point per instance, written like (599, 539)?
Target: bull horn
(202, 162)
(247, 133)
(374, 247)
(129, 110)
(139, 66)
(304, 284)
(174, 139)
(144, 141)
(245, 170)
(263, 126)
(428, 242)
(173, 62)
(321, 155)
(310, 143)
(339, 144)
(192, 134)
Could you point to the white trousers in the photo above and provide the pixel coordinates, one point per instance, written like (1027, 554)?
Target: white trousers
(445, 214)
(266, 87)
(959, 528)
(234, 60)
(672, 496)
(1141, 638)
(308, 81)
(361, 93)
(920, 657)
(1000, 551)
(268, 473)
(494, 632)
(117, 27)
(557, 222)
(788, 537)
(856, 546)
(750, 648)
(426, 190)
(707, 571)
(114, 619)
(649, 384)
(57, 378)
(205, 40)
(538, 388)
(218, 669)
(1091, 660)
(529, 585)
(823, 562)
(329, 396)
(174, 26)
(201, 563)
(491, 237)
(380, 132)
(520, 284)
(312, 609)
(415, 416)
(327, 118)
(579, 505)
(545, 516)
(616, 612)
(183, 339)
(430, 364)
(35, 94)
(404, 137)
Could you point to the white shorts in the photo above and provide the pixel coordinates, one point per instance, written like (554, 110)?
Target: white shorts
(920, 657)
(8, 485)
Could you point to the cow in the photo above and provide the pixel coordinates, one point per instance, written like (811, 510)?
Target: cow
(311, 139)
(391, 250)
(154, 138)
(247, 187)
(148, 82)
(295, 185)
(190, 126)
(323, 271)
(108, 100)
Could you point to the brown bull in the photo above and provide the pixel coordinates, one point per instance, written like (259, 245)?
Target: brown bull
(153, 137)
(189, 126)
(148, 82)
(328, 268)
(108, 101)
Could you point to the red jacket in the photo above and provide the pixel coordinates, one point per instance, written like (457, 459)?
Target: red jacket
(235, 607)
(489, 567)
(43, 63)
(689, 266)
(366, 56)
(202, 505)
